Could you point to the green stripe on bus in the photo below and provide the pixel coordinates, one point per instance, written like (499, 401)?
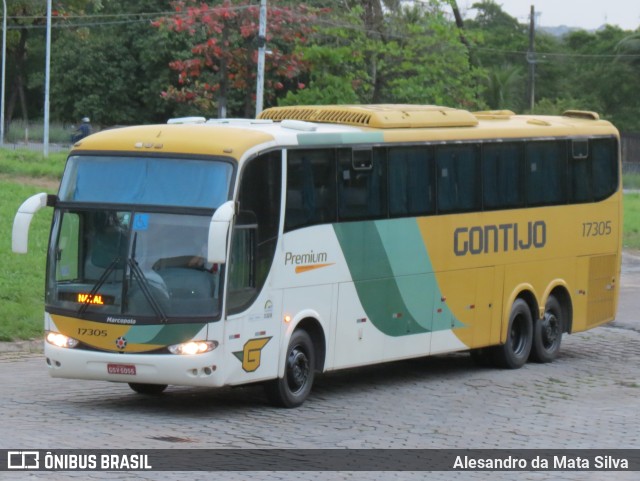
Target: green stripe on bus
(143, 334)
(176, 333)
(393, 276)
(373, 279)
(409, 262)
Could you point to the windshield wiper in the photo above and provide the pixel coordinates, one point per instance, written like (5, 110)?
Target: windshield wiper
(101, 280)
(144, 287)
(137, 273)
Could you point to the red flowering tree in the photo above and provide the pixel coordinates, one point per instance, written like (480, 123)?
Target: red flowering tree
(219, 74)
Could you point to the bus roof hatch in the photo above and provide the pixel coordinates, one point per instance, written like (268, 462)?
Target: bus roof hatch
(376, 116)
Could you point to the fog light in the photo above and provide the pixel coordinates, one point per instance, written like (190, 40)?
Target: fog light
(61, 340)
(193, 347)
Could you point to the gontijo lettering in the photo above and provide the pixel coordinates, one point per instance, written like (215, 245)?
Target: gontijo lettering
(499, 238)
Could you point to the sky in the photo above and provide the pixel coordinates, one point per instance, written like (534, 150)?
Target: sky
(587, 14)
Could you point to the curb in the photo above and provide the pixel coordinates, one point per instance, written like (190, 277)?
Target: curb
(33, 346)
(631, 253)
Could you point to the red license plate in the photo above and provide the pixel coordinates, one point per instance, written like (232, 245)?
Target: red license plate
(128, 369)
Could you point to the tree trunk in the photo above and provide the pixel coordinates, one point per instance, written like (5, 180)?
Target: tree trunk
(460, 25)
(18, 83)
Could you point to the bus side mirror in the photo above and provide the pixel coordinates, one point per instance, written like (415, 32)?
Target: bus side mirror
(219, 233)
(22, 221)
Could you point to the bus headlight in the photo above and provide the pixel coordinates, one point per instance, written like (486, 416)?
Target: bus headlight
(193, 347)
(61, 340)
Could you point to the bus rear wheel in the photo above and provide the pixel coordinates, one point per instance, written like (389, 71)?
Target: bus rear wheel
(513, 354)
(293, 389)
(547, 332)
(148, 389)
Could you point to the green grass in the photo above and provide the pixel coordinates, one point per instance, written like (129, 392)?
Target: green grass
(21, 276)
(631, 229)
(631, 180)
(31, 164)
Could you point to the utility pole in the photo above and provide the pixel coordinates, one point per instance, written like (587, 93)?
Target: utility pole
(46, 82)
(4, 68)
(531, 59)
(262, 45)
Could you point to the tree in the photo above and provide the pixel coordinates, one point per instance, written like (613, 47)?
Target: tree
(113, 72)
(25, 51)
(499, 45)
(628, 49)
(599, 78)
(220, 71)
(25, 22)
(502, 87)
(377, 52)
(427, 59)
(338, 71)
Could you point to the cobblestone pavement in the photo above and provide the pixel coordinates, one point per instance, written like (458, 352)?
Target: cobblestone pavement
(587, 398)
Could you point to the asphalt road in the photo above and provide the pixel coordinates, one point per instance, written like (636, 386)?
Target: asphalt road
(586, 399)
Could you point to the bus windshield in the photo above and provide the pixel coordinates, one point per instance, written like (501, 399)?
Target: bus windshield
(146, 181)
(135, 264)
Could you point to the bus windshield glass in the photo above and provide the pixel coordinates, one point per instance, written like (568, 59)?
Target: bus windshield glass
(141, 265)
(146, 181)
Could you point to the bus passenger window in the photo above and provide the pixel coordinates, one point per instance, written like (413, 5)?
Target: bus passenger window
(546, 172)
(361, 185)
(604, 156)
(580, 189)
(502, 176)
(310, 188)
(458, 186)
(412, 183)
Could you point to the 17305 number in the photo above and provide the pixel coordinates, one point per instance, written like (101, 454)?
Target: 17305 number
(596, 229)
(92, 332)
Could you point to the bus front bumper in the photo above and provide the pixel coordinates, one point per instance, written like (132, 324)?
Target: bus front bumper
(182, 370)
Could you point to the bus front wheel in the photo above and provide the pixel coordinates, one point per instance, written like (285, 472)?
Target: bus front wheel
(547, 333)
(291, 390)
(514, 353)
(148, 389)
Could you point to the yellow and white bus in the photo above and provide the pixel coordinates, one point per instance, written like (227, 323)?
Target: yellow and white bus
(225, 252)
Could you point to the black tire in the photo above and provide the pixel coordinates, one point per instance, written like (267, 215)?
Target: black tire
(293, 389)
(514, 353)
(148, 389)
(547, 333)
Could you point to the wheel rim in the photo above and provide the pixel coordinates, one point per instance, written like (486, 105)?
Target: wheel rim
(297, 369)
(550, 330)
